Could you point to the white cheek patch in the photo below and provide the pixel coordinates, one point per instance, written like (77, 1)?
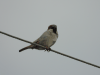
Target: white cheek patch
(51, 30)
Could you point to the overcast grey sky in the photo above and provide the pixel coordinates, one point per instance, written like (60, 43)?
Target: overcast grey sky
(78, 23)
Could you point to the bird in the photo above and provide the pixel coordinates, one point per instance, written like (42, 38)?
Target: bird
(47, 39)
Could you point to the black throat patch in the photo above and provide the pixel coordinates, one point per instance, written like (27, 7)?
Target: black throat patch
(54, 30)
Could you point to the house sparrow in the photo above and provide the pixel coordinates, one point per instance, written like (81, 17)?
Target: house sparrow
(47, 39)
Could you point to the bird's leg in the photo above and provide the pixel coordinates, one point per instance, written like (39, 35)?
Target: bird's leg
(47, 49)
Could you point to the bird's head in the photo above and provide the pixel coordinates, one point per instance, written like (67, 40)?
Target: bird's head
(54, 27)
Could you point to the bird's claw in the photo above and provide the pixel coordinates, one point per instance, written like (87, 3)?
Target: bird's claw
(48, 49)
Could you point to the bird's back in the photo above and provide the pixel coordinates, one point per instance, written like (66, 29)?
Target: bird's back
(48, 38)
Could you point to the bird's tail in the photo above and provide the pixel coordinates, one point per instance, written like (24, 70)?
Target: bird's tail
(28, 47)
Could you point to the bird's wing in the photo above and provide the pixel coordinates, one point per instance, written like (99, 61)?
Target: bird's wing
(48, 38)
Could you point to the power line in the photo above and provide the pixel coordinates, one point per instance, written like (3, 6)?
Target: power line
(51, 50)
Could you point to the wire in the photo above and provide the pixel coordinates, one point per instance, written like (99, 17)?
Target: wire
(50, 50)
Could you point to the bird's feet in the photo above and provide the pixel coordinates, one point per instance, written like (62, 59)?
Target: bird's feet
(48, 49)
